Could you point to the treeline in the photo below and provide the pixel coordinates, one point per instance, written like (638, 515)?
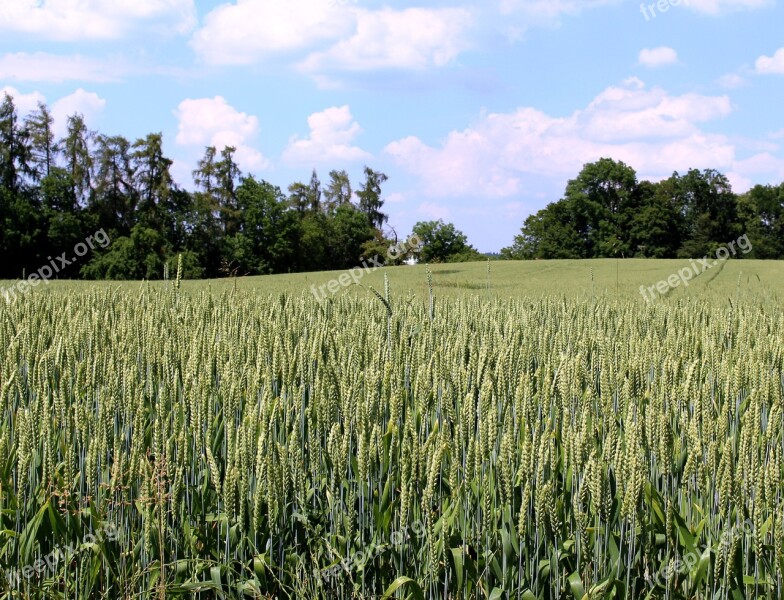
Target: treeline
(56, 192)
(606, 212)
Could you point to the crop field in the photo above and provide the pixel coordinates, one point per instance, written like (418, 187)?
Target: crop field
(495, 430)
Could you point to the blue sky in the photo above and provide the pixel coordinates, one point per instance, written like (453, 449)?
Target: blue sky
(479, 112)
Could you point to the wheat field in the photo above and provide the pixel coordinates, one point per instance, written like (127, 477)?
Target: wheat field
(417, 439)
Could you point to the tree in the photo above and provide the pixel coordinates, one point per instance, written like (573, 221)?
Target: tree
(314, 192)
(599, 199)
(549, 234)
(228, 175)
(338, 192)
(349, 231)
(205, 234)
(64, 221)
(761, 214)
(78, 160)
(441, 242)
(152, 179)
(115, 197)
(21, 233)
(216, 216)
(138, 256)
(370, 201)
(306, 197)
(205, 175)
(14, 146)
(43, 146)
(653, 224)
(708, 210)
(266, 242)
(314, 249)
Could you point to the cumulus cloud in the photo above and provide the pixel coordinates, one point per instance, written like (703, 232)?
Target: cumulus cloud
(65, 20)
(42, 66)
(769, 65)
(646, 128)
(331, 133)
(414, 38)
(247, 31)
(24, 103)
(335, 35)
(658, 57)
(214, 122)
(87, 104)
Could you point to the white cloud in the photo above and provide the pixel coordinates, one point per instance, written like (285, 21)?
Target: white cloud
(414, 38)
(87, 104)
(658, 57)
(337, 34)
(331, 133)
(214, 122)
(41, 66)
(761, 163)
(720, 7)
(247, 31)
(24, 103)
(646, 128)
(771, 64)
(731, 81)
(549, 9)
(518, 16)
(94, 19)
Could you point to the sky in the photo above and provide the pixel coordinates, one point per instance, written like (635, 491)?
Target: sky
(478, 112)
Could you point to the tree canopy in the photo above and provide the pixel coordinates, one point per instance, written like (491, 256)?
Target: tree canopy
(54, 193)
(606, 212)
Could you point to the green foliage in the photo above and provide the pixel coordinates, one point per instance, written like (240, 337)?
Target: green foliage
(349, 232)
(338, 191)
(138, 256)
(266, 241)
(370, 201)
(761, 213)
(442, 242)
(606, 212)
(53, 194)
